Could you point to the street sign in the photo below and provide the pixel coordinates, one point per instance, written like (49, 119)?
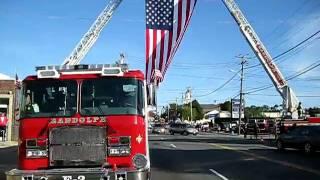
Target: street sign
(235, 106)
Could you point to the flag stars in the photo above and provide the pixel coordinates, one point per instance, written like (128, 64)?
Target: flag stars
(159, 13)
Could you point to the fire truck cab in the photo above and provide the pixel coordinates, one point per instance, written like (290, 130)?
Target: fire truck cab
(80, 122)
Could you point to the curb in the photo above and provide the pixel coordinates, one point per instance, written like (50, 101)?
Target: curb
(7, 144)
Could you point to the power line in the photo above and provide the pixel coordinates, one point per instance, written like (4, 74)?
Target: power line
(279, 95)
(292, 15)
(305, 70)
(220, 87)
(289, 50)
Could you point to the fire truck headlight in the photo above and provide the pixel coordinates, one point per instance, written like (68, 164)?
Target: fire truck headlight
(119, 151)
(33, 153)
(140, 161)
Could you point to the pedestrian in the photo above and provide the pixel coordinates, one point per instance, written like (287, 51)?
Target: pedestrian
(245, 131)
(282, 128)
(299, 108)
(255, 129)
(3, 125)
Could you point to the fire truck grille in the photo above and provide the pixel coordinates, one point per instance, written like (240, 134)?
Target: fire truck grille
(77, 146)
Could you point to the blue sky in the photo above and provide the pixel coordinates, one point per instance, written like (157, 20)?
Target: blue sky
(41, 32)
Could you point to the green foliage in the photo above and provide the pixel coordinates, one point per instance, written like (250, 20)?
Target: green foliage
(313, 112)
(257, 111)
(226, 106)
(183, 111)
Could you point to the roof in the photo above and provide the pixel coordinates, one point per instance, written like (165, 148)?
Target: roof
(5, 77)
(209, 107)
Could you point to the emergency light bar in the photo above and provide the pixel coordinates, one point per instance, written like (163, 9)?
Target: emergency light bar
(48, 74)
(103, 69)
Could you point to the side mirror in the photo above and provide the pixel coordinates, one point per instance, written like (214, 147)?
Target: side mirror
(17, 103)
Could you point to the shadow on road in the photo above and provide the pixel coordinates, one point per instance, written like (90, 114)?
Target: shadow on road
(234, 164)
(268, 142)
(190, 161)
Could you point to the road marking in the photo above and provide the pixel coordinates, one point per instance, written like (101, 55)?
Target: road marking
(283, 163)
(218, 174)
(173, 146)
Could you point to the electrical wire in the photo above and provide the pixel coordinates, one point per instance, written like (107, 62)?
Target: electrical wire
(301, 72)
(287, 51)
(220, 87)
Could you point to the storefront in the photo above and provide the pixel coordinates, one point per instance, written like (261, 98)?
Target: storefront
(7, 90)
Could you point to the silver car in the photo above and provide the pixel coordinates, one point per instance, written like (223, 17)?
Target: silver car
(183, 129)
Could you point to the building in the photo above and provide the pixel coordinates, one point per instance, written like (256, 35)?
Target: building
(7, 104)
(272, 114)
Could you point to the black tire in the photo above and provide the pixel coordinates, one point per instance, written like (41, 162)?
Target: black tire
(185, 133)
(307, 148)
(280, 145)
(171, 132)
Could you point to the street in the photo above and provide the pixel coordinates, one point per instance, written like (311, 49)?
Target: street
(226, 157)
(214, 157)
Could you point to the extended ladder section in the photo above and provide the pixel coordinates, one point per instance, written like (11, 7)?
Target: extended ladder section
(290, 101)
(87, 41)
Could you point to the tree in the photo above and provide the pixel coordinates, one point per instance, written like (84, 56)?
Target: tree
(197, 109)
(313, 112)
(253, 112)
(226, 106)
(182, 111)
(173, 112)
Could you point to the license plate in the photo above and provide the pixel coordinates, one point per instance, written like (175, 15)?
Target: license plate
(80, 177)
(73, 178)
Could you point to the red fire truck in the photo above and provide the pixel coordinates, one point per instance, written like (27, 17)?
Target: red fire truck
(80, 122)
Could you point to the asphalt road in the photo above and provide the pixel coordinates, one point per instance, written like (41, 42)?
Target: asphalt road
(214, 157)
(8, 160)
(224, 157)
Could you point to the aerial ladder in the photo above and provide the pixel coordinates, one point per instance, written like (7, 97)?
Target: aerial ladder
(290, 101)
(87, 41)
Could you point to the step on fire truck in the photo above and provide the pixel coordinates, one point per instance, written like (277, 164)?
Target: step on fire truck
(81, 122)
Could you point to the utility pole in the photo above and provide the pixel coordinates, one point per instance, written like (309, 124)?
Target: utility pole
(176, 107)
(190, 94)
(168, 112)
(243, 61)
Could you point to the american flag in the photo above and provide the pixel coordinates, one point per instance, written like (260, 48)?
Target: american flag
(166, 23)
(17, 82)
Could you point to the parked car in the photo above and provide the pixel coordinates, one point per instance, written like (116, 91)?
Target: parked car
(251, 126)
(242, 128)
(150, 127)
(159, 129)
(300, 137)
(271, 126)
(261, 123)
(184, 129)
(266, 126)
(233, 126)
(205, 127)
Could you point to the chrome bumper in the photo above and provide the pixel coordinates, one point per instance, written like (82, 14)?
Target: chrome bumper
(78, 174)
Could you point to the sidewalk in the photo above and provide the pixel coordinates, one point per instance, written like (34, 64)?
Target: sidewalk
(265, 139)
(6, 144)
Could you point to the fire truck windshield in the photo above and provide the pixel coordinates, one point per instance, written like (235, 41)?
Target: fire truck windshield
(111, 96)
(49, 98)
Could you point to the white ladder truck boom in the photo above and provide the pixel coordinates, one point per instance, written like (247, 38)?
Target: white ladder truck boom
(92, 35)
(290, 101)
